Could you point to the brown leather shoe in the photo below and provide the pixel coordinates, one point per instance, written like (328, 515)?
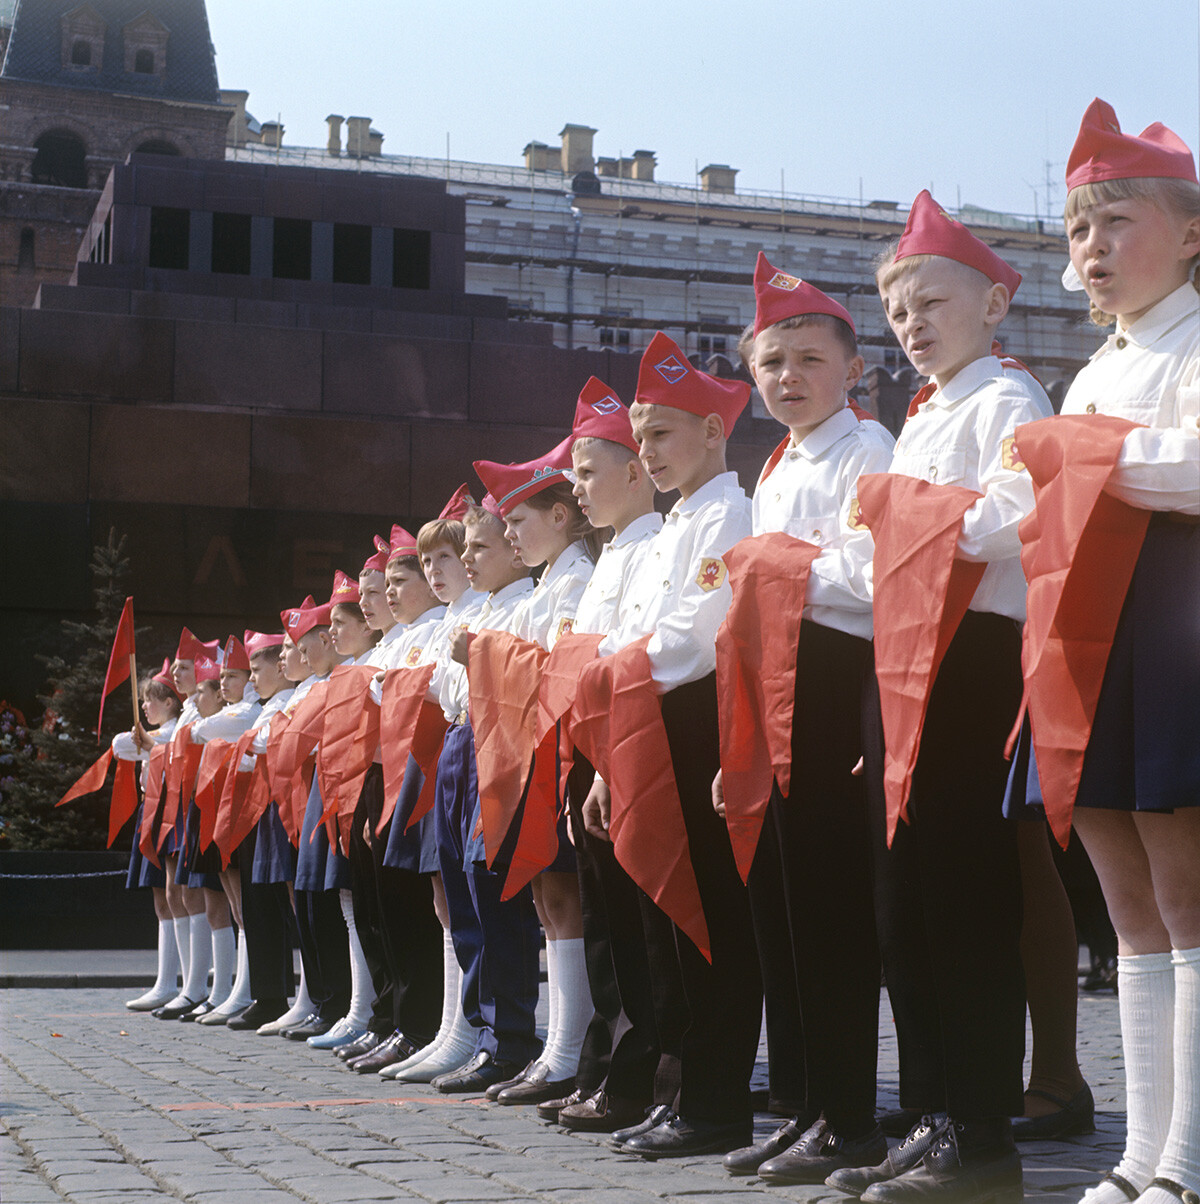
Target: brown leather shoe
(395, 1049)
(601, 1113)
(535, 1086)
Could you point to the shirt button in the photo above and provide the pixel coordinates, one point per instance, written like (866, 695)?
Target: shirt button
(637, 606)
(816, 536)
(779, 497)
(1091, 407)
(1121, 344)
(666, 585)
(932, 471)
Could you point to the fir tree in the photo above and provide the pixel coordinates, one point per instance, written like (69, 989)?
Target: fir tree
(66, 740)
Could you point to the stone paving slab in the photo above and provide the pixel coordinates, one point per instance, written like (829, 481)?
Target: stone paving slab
(100, 1104)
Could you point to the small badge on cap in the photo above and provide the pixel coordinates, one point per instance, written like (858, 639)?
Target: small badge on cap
(608, 405)
(784, 281)
(671, 370)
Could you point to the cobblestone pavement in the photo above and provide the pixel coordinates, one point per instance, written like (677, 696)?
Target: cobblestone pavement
(101, 1104)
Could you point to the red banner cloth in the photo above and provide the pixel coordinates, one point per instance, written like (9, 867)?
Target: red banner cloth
(290, 758)
(118, 661)
(124, 798)
(183, 763)
(342, 756)
(617, 723)
(505, 677)
(408, 724)
(152, 804)
(91, 780)
(1080, 547)
(243, 798)
(922, 592)
(756, 679)
(210, 783)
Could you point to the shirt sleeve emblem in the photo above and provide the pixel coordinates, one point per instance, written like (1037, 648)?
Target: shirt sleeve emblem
(712, 574)
(1009, 457)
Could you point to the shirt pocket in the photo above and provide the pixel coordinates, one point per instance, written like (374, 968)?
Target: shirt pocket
(945, 465)
(821, 530)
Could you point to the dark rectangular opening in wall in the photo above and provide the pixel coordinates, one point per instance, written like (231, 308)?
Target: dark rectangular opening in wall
(351, 254)
(292, 258)
(169, 231)
(231, 243)
(410, 258)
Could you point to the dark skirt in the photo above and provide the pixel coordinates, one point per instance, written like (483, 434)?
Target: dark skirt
(142, 873)
(274, 854)
(195, 869)
(318, 867)
(412, 848)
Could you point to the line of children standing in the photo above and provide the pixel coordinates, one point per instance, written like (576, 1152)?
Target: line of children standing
(902, 648)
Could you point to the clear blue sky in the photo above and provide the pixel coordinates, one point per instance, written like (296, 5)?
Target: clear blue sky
(969, 98)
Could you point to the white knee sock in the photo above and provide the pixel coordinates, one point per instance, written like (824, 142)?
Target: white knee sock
(362, 989)
(1146, 995)
(552, 1001)
(574, 1010)
(455, 1038)
(224, 955)
(1180, 1159)
(199, 958)
(165, 984)
(183, 943)
(239, 996)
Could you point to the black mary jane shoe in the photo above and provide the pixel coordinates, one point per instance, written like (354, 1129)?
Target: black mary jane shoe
(1074, 1118)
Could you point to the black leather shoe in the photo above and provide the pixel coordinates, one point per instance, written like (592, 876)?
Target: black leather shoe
(356, 1049)
(900, 1122)
(474, 1076)
(748, 1159)
(310, 1026)
(535, 1087)
(388, 1052)
(653, 1118)
(975, 1163)
(260, 1012)
(819, 1151)
(682, 1138)
(1074, 1117)
(916, 1144)
(600, 1113)
(494, 1090)
(173, 1010)
(552, 1108)
(201, 1009)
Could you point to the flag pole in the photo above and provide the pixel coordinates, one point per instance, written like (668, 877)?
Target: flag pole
(133, 681)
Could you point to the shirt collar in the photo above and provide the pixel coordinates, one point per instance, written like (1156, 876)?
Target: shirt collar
(568, 559)
(966, 381)
(639, 528)
(514, 589)
(390, 636)
(1160, 319)
(710, 491)
(835, 428)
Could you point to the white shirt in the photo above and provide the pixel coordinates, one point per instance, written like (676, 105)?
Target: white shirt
(962, 435)
(287, 707)
(230, 721)
(406, 648)
(124, 747)
(678, 590)
(601, 598)
(190, 712)
(1150, 373)
(498, 612)
(810, 494)
(262, 724)
(555, 599)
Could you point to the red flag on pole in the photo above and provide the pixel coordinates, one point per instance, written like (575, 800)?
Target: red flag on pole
(118, 662)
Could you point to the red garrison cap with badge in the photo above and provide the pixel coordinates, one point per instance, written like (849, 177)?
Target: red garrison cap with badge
(236, 656)
(665, 378)
(599, 414)
(932, 231)
(256, 641)
(511, 484)
(165, 676)
(345, 589)
(291, 618)
(402, 543)
(191, 649)
(456, 508)
(1102, 152)
(208, 668)
(307, 618)
(778, 296)
(376, 562)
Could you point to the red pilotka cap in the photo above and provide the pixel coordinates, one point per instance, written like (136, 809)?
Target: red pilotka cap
(402, 543)
(932, 231)
(165, 676)
(511, 484)
(291, 618)
(307, 618)
(1102, 152)
(208, 668)
(456, 508)
(599, 414)
(778, 296)
(665, 378)
(191, 649)
(376, 562)
(256, 641)
(236, 656)
(345, 589)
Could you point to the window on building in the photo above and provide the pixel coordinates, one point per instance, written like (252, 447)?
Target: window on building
(231, 243)
(618, 338)
(292, 250)
(170, 231)
(61, 159)
(81, 53)
(25, 256)
(157, 146)
(410, 258)
(351, 254)
(143, 62)
(713, 344)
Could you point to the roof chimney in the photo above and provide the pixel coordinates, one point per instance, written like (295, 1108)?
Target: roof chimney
(577, 148)
(643, 165)
(717, 177)
(358, 137)
(235, 132)
(334, 145)
(540, 157)
(272, 134)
